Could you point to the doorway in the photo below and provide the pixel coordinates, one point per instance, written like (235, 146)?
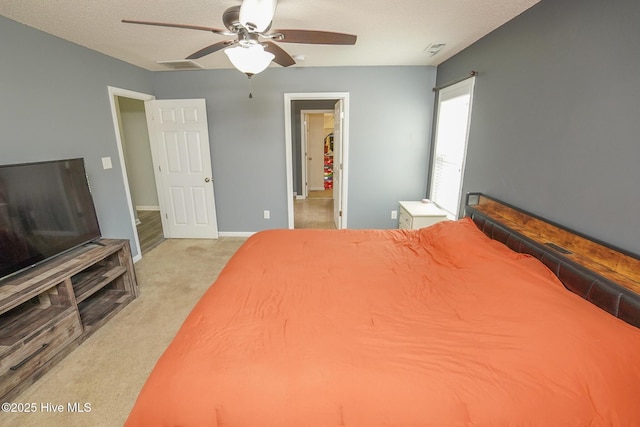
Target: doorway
(296, 189)
(313, 206)
(316, 150)
(130, 124)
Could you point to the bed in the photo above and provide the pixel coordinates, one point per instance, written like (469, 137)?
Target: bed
(496, 319)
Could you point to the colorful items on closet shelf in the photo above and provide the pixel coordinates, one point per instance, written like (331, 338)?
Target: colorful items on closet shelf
(328, 171)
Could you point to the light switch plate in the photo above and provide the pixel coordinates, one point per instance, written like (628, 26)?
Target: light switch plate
(106, 163)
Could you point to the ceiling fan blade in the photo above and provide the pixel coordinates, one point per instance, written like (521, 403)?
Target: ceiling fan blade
(281, 57)
(189, 27)
(312, 37)
(212, 48)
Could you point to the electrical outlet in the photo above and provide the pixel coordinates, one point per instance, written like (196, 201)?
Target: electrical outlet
(394, 214)
(266, 214)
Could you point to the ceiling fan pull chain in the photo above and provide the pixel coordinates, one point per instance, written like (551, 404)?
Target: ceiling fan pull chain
(250, 88)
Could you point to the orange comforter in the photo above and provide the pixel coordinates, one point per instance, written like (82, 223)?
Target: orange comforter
(434, 327)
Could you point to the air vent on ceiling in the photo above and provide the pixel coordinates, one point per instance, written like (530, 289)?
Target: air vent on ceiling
(181, 64)
(434, 48)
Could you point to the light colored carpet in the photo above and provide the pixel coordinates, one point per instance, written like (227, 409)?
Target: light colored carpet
(108, 370)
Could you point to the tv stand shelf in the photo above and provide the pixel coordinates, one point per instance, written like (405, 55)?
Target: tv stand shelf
(86, 283)
(48, 310)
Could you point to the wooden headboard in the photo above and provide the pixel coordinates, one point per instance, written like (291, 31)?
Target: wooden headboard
(601, 274)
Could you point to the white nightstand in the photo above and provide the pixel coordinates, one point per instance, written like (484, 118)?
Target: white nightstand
(414, 215)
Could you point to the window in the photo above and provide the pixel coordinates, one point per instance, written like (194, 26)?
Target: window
(450, 145)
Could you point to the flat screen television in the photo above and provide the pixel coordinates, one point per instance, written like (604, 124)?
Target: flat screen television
(46, 209)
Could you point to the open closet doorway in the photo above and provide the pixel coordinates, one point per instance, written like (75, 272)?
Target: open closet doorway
(303, 112)
(316, 149)
(132, 136)
(313, 207)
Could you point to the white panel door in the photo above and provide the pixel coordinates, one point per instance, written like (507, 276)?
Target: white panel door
(338, 121)
(182, 163)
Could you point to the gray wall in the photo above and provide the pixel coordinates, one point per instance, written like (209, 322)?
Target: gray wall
(555, 125)
(391, 110)
(54, 104)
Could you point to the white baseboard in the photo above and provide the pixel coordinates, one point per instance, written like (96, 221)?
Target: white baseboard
(147, 208)
(236, 233)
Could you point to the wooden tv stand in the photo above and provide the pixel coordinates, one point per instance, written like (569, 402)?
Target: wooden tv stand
(48, 310)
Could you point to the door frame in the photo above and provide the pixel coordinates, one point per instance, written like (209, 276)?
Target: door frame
(303, 149)
(288, 133)
(125, 93)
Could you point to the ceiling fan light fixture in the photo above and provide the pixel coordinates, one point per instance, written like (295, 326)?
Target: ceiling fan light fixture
(251, 59)
(256, 15)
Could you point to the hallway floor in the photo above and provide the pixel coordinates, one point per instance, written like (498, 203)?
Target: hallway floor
(149, 230)
(313, 212)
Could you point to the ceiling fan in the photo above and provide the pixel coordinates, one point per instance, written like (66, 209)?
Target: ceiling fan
(253, 49)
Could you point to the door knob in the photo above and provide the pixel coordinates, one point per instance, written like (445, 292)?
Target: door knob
(207, 179)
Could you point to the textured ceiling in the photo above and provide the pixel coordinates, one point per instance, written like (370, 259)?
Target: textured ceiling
(389, 32)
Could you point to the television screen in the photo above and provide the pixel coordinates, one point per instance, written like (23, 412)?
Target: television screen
(46, 209)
